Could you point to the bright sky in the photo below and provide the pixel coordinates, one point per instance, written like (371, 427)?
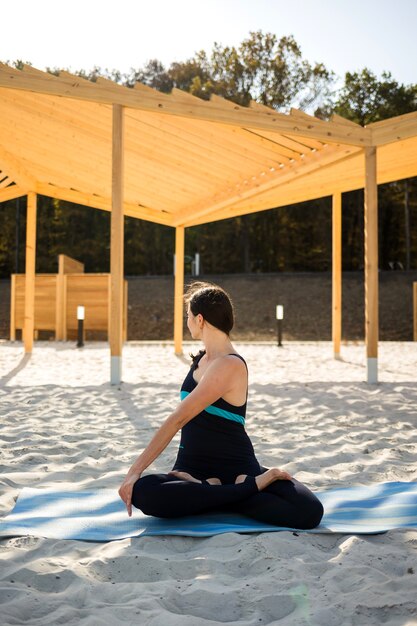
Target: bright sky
(346, 35)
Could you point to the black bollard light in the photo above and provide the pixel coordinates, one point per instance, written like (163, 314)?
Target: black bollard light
(80, 318)
(280, 317)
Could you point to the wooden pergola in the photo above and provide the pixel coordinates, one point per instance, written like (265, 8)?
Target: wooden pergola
(181, 161)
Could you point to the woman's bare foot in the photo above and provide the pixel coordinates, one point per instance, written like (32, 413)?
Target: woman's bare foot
(184, 476)
(267, 478)
(191, 479)
(214, 481)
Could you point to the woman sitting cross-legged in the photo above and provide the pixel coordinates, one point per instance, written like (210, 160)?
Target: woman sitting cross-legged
(216, 468)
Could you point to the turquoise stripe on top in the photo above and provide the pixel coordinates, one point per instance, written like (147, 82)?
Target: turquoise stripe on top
(214, 410)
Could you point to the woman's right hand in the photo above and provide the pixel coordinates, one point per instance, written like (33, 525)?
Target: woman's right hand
(270, 476)
(126, 489)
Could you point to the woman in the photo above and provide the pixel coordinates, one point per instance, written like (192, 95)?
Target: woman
(216, 467)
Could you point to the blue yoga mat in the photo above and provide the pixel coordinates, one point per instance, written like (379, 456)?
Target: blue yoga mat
(101, 516)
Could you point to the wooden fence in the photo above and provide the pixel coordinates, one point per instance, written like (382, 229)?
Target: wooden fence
(57, 297)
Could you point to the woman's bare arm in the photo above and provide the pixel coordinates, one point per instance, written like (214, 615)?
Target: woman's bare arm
(217, 380)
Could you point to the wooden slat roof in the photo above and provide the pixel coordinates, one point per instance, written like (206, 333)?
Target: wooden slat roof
(187, 161)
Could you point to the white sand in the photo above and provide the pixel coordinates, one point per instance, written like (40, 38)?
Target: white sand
(61, 422)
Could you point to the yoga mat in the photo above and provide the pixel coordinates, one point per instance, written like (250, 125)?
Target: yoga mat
(101, 516)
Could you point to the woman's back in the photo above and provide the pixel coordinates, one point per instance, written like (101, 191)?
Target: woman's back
(237, 393)
(216, 437)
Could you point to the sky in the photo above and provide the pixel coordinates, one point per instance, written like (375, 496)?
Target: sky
(345, 35)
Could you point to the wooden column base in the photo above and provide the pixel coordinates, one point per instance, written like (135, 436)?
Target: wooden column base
(115, 370)
(372, 371)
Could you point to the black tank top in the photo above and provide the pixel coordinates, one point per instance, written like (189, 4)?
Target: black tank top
(215, 442)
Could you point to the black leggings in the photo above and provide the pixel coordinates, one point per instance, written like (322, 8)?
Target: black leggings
(284, 503)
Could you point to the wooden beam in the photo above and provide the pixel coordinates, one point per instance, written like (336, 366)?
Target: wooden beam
(393, 121)
(342, 120)
(14, 169)
(97, 202)
(394, 129)
(141, 87)
(268, 110)
(5, 181)
(117, 248)
(29, 323)
(371, 265)
(225, 147)
(49, 138)
(75, 87)
(257, 106)
(29, 69)
(271, 180)
(316, 184)
(302, 185)
(67, 160)
(395, 162)
(91, 119)
(199, 162)
(291, 145)
(336, 273)
(221, 102)
(11, 193)
(301, 115)
(179, 289)
(221, 152)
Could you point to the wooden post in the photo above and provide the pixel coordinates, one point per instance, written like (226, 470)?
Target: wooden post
(108, 306)
(59, 309)
(336, 273)
(29, 323)
(407, 226)
(415, 311)
(179, 289)
(116, 249)
(13, 308)
(64, 308)
(125, 296)
(371, 265)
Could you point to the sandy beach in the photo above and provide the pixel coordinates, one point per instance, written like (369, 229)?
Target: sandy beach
(62, 422)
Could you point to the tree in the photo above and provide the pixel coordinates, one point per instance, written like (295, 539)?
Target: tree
(152, 74)
(270, 71)
(364, 98)
(263, 68)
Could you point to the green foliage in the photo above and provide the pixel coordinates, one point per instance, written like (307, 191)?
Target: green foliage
(8, 237)
(79, 232)
(364, 98)
(283, 239)
(149, 248)
(264, 68)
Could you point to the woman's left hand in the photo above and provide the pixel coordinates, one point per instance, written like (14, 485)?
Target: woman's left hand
(283, 475)
(126, 489)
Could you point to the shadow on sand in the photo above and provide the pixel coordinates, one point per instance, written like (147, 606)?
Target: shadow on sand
(19, 367)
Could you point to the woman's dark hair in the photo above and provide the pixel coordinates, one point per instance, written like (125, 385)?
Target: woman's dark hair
(214, 304)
